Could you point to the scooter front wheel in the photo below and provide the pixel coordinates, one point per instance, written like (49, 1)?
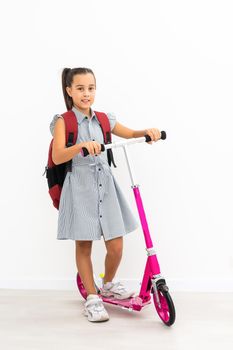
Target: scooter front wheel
(165, 308)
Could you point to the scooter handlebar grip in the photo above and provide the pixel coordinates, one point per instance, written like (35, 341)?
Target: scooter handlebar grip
(84, 150)
(163, 136)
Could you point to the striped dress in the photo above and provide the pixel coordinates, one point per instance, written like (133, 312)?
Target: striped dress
(92, 204)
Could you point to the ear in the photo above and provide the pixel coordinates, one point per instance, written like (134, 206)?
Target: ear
(68, 90)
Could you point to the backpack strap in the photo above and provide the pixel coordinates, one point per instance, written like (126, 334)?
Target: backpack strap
(71, 129)
(106, 129)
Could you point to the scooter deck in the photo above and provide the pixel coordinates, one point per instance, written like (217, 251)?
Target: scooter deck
(133, 303)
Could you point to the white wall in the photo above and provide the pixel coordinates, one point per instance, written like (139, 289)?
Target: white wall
(164, 64)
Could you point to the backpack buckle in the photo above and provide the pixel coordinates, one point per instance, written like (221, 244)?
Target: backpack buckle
(108, 137)
(70, 139)
(45, 170)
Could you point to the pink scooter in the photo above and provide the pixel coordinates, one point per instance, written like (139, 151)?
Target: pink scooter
(152, 282)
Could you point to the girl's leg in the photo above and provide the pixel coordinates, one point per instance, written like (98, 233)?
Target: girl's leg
(84, 265)
(113, 257)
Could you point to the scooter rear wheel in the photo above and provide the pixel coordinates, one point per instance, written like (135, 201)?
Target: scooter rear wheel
(81, 287)
(166, 310)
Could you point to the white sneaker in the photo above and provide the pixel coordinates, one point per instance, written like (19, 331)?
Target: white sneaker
(94, 309)
(117, 290)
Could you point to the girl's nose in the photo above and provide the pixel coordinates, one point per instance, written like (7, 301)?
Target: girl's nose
(86, 93)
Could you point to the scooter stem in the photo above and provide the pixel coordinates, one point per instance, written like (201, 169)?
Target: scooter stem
(138, 199)
(152, 266)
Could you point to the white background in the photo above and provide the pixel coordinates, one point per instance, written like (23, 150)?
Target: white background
(163, 64)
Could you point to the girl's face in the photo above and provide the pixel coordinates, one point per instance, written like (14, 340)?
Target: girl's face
(82, 91)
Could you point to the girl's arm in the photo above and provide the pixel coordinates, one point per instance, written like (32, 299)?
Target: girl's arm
(61, 153)
(122, 131)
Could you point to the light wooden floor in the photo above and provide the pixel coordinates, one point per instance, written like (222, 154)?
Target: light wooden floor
(34, 320)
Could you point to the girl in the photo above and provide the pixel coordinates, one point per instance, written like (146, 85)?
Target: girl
(92, 204)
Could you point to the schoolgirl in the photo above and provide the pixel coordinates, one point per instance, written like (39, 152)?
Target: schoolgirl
(92, 203)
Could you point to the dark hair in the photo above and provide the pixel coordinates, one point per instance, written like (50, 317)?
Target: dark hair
(67, 79)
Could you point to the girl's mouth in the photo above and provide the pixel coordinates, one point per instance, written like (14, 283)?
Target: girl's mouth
(85, 101)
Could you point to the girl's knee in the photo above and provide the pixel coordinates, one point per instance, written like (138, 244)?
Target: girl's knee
(114, 247)
(84, 247)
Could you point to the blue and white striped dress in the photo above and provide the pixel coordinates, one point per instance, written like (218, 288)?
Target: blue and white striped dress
(92, 203)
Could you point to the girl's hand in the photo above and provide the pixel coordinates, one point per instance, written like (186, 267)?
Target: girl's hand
(93, 147)
(154, 134)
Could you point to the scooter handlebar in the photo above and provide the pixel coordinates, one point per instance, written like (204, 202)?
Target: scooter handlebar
(84, 150)
(163, 136)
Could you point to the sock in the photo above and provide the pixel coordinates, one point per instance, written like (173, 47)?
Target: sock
(91, 296)
(107, 284)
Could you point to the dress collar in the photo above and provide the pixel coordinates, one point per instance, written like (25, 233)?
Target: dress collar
(80, 116)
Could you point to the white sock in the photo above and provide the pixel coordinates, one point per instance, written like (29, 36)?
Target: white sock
(90, 296)
(107, 284)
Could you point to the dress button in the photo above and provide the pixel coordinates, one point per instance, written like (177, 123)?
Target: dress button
(100, 184)
(100, 200)
(100, 216)
(99, 169)
(86, 117)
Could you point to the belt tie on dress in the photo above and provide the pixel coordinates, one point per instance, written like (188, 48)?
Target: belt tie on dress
(106, 169)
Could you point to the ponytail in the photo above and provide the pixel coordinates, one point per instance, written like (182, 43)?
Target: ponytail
(67, 98)
(67, 79)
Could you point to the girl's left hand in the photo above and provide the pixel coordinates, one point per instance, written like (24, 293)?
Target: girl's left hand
(154, 134)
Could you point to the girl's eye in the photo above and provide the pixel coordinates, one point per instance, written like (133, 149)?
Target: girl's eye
(89, 89)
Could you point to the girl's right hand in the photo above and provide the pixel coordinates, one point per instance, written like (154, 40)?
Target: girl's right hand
(93, 147)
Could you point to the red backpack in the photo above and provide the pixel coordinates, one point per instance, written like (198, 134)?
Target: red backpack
(56, 174)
